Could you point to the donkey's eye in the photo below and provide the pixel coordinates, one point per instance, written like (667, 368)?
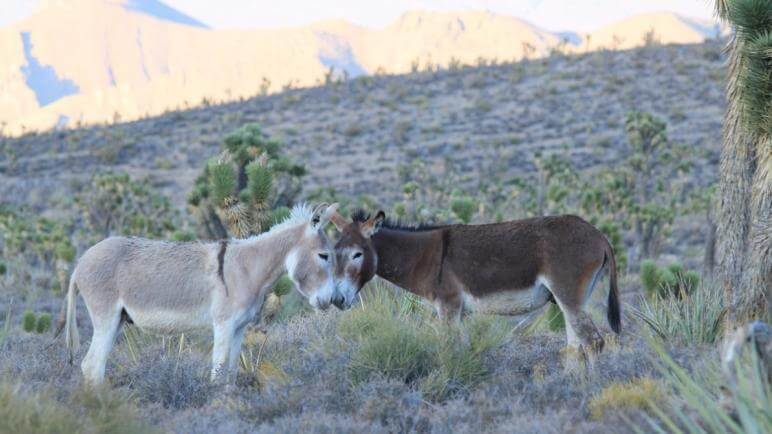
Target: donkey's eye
(357, 255)
(324, 256)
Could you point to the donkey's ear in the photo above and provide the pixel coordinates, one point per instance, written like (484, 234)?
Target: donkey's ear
(327, 214)
(371, 226)
(339, 221)
(316, 217)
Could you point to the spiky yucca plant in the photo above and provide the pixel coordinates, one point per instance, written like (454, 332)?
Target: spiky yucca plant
(243, 191)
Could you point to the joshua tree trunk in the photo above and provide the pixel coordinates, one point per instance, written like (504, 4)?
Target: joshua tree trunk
(211, 224)
(759, 263)
(709, 260)
(744, 244)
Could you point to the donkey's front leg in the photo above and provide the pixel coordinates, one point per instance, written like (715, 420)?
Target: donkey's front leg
(224, 336)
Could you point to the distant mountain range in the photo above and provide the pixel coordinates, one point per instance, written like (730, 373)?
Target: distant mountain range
(87, 61)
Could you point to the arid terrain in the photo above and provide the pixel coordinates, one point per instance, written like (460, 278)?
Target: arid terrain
(387, 365)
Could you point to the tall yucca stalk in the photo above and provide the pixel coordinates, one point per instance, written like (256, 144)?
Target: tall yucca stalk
(745, 174)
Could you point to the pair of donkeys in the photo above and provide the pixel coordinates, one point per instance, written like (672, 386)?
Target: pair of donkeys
(509, 268)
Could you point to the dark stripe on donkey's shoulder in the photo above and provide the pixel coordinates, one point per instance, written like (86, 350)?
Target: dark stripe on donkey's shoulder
(221, 264)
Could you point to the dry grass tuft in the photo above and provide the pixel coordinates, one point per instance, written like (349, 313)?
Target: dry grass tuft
(635, 394)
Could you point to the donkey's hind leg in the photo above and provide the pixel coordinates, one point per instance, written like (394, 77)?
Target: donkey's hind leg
(106, 326)
(449, 308)
(581, 332)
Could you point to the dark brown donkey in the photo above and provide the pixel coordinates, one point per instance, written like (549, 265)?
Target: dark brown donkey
(509, 268)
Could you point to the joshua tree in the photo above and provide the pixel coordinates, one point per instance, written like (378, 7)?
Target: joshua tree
(744, 217)
(247, 187)
(115, 204)
(28, 240)
(641, 189)
(651, 164)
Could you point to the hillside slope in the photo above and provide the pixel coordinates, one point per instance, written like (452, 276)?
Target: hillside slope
(353, 135)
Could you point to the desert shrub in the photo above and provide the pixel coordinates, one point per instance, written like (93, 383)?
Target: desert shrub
(43, 323)
(28, 321)
(116, 204)
(109, 411)
(694, 318)
(389, 343)
(673, 280)
(256, 371)
(103, 411)
(34, 414)
(464, 208)
(696, 405)
(178, 378)
(649, 276)
(461, 357)
(394, 337)
(394, 349)
(283, 286)
(292, 304)
(634, 394)
(31, 322)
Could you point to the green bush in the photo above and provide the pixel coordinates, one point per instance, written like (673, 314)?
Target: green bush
(65, 251)
(673, 280)
(3, 269)
(283, 286)
(649, 276)
(461, 357)
(393, 335)
(463, 208)
(28, 321)
(43, 324)
(396, 350)
(183, 235)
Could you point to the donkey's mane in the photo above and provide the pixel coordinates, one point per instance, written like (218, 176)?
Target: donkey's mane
(361, 216)
(300, 213)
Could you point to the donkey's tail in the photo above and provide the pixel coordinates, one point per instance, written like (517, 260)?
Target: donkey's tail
(614, 311)
(71, 336)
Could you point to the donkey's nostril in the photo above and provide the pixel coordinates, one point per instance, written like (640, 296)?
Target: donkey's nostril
(338, 301)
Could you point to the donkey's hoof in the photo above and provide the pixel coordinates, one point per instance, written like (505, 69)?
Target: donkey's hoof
(596, 345)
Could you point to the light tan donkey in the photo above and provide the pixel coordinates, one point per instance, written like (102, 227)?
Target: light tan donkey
(172, 287)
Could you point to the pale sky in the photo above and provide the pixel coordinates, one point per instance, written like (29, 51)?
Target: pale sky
(554, 15)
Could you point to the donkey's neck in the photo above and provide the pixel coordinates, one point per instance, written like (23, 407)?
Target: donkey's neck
(264, 256)
(407, 258)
